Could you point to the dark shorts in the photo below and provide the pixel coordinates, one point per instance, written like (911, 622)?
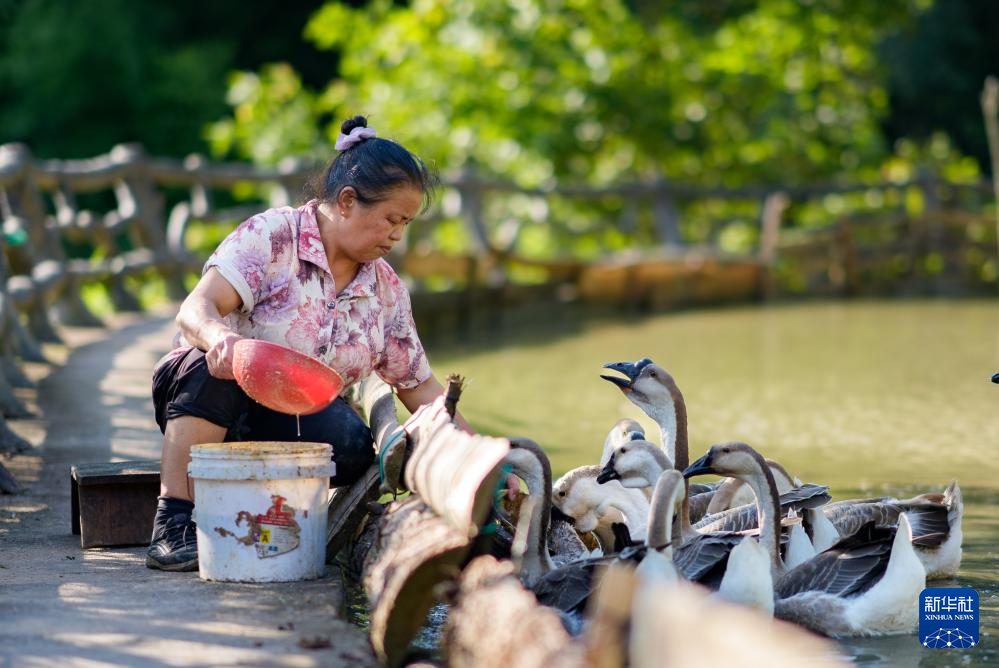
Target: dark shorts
(182, 386)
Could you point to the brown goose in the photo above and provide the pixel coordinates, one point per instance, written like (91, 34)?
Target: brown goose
(866, 584)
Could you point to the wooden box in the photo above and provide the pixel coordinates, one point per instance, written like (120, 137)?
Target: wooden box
(114, 503)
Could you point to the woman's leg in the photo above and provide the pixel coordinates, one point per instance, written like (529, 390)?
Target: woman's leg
(181, 434)
(191, 407)
(337, 424)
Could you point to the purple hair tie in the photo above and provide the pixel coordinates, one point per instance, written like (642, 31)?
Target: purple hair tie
(356, 136)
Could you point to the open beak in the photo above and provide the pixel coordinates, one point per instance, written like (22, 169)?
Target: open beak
(608, 473)
(629, 369)
(701, 467)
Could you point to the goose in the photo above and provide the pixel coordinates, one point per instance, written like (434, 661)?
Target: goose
(649, 387)
(866, 584)
(655, 392)
(640, 463)
(935, 520)
(595, 507)
(703, 558)
(743, 559)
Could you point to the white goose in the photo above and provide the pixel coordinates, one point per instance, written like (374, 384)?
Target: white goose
(866, 584)
(594, 507)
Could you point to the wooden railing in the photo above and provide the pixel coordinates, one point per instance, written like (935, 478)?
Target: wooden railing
(126, 217)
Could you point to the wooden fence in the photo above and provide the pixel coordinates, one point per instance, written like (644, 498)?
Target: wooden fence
(125, 217)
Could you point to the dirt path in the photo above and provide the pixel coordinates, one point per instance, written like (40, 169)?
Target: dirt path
(61, 605)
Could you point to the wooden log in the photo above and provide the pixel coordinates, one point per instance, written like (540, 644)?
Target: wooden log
(347, 506)
(454, 472)
(412, 552)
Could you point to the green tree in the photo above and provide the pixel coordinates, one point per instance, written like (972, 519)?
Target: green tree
(598, 90)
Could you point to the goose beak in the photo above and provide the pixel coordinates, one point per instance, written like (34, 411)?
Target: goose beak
(608, 473)
(701, 467)
(629, 369)
(995, 378)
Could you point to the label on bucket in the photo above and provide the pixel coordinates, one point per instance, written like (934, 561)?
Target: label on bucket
(272, 533)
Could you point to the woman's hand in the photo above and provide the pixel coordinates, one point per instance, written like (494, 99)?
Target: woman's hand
(219, 355)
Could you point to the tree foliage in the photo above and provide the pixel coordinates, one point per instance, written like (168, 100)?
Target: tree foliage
(78, 77)
(600, 90)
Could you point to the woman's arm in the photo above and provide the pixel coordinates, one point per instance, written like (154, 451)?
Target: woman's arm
(424, 393)
(200, 321)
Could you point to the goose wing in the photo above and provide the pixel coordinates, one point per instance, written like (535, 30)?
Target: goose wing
(744, 517)
(930, 521)
(703, 559)
(698, 505)
(848, 568)
(567, 588)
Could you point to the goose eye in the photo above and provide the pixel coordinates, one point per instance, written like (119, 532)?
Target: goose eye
(653, 374)
(561, 495)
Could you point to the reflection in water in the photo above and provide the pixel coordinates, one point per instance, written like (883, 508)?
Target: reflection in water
(869, 397)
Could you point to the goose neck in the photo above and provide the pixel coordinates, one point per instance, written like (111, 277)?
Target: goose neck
(767, 510)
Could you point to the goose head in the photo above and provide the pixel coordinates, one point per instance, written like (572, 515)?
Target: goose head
(652, 389)
(637, 464)
(739, 460)
(624, 430)
(726, 459)
(646, 384)
(587, 502)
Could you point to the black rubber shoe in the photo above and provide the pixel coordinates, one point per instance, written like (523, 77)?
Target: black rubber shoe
(174, 546)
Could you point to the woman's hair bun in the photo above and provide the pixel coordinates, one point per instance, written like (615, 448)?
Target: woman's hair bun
(351, 123)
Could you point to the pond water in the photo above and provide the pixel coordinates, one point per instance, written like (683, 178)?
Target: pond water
(869, 397)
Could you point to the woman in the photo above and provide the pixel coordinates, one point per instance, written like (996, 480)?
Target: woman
(311, 278)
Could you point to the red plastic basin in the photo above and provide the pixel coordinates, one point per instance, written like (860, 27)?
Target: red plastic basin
(283, 379)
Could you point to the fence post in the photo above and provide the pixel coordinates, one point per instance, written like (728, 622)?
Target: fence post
(38, 261)
(990, 112)
(774, 206)
(665, 215)
(138, 198)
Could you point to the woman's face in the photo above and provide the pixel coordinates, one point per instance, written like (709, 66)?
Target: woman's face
(370, 231)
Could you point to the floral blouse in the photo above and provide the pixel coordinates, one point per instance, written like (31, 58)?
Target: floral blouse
(276, 262)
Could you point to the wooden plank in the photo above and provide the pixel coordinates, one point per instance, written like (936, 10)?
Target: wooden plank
(120, 473)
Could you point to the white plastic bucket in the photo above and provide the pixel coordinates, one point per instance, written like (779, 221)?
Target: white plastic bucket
(261, 510)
